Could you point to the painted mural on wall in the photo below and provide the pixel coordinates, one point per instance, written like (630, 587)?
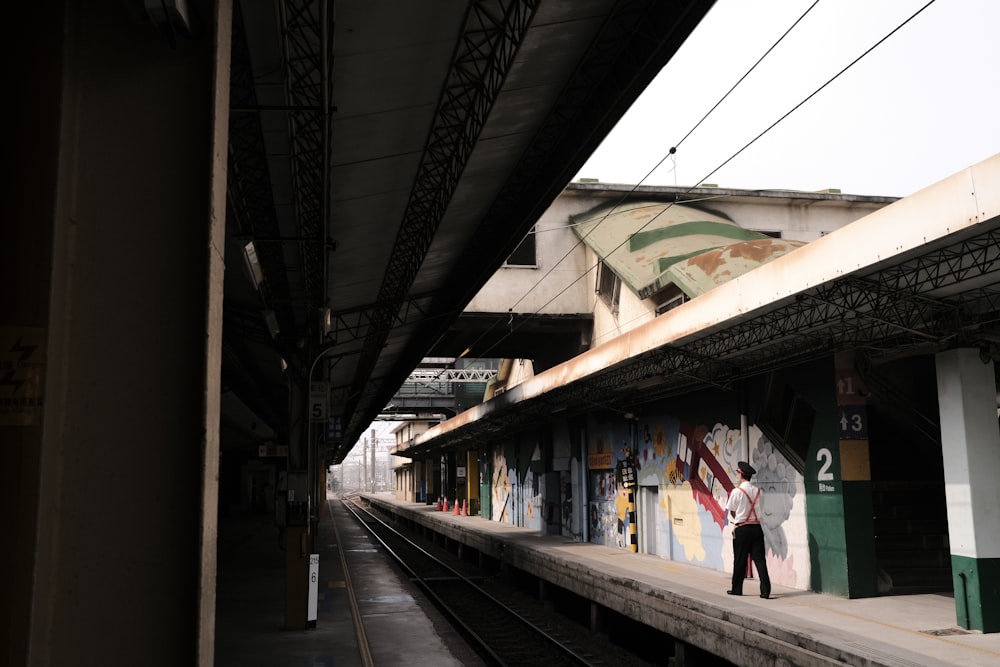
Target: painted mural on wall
(608, 500)
(693, 468)
(517, 497)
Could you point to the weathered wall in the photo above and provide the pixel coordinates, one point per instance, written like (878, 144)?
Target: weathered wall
(690, 459)
(688, 453)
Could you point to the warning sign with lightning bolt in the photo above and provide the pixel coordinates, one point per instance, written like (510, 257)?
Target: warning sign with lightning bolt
(22, 375)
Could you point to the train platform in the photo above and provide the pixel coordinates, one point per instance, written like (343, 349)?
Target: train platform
(794, 627)
(366, 613)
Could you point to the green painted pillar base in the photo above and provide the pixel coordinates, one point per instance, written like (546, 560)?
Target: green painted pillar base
(977, 592)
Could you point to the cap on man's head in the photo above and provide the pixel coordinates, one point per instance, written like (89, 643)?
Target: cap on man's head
(747, 469)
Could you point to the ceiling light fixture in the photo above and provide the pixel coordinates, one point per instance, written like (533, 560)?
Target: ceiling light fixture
(272, 323)
(253, 264)
(170, 13)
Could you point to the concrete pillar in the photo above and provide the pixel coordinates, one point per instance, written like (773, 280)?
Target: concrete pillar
(971, 445)
(119, 223)
(852, 458)
(31, 158)
(297, 552)
(419, 486)
(681, 657)
(596, 619)
(838, 480)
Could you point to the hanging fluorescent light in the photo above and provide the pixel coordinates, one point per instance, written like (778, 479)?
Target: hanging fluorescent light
(253, 264)
(272, 323)
(325, 322)
(171, 13)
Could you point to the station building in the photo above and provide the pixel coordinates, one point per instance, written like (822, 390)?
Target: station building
(810, 334)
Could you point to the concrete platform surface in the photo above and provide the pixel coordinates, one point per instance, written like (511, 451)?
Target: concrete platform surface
(386, 612)
(794, 627)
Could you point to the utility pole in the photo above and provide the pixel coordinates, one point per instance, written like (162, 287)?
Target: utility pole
(374, 474)
(364, 467)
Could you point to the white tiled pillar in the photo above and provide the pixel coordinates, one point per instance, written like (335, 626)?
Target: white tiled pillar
(971, 447)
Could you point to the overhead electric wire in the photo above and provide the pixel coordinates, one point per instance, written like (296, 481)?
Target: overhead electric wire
(815, 92)
(702, 180)
(672, 150)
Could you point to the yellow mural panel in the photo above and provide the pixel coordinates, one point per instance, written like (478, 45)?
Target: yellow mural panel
(685, 521)
(599, 461)
(854, 462)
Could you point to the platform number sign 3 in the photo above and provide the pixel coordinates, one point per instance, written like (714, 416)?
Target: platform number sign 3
(852, 423)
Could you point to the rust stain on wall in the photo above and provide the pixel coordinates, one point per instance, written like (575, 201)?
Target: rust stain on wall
(709, 262)
(758, 251)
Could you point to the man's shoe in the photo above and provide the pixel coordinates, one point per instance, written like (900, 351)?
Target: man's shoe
(766, 597)
(731, 592)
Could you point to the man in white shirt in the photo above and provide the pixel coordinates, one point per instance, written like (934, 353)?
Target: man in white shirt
(745, 509)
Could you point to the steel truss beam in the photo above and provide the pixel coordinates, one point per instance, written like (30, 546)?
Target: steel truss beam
(491, 35)
(455, 375)
(617, 67)
(944, 298)
(626, 55)
(976, 258)
(356, 323)
(249, 181)
(305, 29)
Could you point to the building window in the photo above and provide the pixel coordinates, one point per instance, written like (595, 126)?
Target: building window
(609, 286)
(668, 299)
(524, 253)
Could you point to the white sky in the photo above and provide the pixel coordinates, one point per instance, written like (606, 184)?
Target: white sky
(922, 106)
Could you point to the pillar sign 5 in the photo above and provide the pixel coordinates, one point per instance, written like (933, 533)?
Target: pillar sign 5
(317, 401)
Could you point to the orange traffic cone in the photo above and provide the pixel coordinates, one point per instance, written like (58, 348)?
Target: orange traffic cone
(456, 507)
(446, 503)
(439, 504)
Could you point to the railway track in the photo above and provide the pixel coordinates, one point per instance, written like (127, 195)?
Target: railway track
(509, 631)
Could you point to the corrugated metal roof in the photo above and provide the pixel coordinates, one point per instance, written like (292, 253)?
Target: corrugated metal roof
(650, 245)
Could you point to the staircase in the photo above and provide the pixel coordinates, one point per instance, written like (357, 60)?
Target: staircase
(911, 536)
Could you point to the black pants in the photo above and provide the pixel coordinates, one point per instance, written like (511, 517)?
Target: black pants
(748, 540)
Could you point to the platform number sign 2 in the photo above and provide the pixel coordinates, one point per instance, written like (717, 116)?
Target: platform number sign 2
(825, 458)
